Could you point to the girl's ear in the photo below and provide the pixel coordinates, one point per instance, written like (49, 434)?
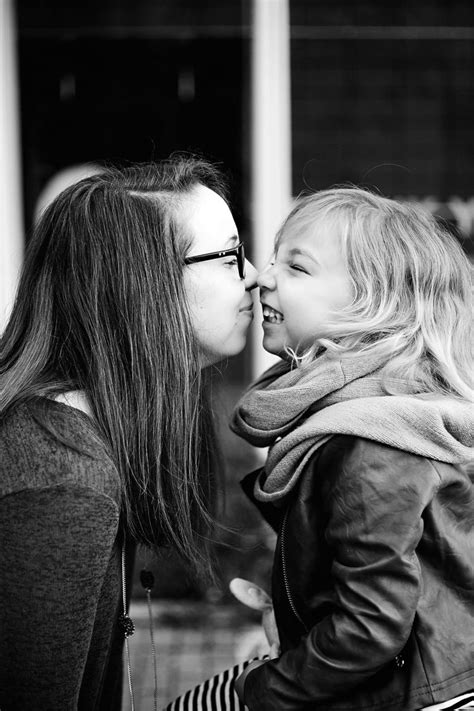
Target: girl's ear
(250, 594)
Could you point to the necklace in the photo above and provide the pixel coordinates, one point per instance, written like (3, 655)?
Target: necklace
(128, 627)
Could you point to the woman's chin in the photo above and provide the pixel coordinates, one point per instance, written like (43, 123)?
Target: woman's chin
(211, 357)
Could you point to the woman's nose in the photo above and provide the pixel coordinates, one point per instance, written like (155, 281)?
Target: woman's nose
(250, 276)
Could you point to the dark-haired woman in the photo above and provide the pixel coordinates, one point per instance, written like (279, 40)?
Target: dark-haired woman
(134, 281)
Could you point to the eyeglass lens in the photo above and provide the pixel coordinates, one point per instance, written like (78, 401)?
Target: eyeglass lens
(241, 260)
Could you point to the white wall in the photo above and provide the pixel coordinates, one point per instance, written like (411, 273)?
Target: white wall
(11, 221)
(271, 139)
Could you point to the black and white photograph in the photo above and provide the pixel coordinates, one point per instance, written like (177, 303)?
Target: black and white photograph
(236, 355)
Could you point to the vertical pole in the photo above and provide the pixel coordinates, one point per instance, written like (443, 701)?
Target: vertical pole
(271, 139)
(11, 219)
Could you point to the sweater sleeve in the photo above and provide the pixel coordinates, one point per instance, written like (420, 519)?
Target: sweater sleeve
(374, 526)
(56, 546)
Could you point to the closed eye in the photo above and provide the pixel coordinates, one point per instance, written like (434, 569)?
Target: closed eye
(298, 268)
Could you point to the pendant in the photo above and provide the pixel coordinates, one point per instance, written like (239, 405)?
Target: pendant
(147, 579)
(126, 624)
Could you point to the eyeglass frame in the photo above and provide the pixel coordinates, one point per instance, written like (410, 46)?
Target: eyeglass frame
(238, 251)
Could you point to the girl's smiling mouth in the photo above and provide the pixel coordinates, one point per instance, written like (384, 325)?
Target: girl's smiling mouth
(271, 315)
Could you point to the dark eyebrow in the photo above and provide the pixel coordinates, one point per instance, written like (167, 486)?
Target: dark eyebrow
(232, 242)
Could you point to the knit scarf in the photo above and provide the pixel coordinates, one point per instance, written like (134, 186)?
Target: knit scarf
(294, 411)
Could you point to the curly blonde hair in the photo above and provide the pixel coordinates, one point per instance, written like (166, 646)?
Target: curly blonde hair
(412, 290)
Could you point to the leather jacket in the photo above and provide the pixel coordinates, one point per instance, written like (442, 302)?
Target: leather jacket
(373, 583)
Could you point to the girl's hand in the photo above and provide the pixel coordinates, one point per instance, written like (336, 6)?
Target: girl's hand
(255, 597)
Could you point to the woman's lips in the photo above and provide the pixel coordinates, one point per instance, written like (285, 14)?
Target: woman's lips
(247, 310)
(248, 307)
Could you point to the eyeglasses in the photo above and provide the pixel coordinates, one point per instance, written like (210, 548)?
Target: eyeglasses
(237, 251)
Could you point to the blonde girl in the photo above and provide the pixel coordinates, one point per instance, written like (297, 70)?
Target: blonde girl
(369, 418)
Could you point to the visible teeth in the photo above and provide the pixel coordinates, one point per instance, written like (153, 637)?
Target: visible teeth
(271, 315)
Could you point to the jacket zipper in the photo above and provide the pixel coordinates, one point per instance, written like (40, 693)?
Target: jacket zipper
(399, 660)
(285, 574)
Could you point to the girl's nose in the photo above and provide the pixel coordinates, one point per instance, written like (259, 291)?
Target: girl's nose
(265, 278)
(250, 276)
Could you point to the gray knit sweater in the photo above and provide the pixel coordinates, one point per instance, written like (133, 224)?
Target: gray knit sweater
(60, 585)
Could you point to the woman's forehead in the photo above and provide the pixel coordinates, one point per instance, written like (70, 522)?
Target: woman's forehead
(208, 221)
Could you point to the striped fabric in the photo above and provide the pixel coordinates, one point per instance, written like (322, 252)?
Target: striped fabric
(215, 694)
(465, 701)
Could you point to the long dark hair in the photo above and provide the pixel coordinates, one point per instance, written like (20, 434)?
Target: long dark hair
(101, 308)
